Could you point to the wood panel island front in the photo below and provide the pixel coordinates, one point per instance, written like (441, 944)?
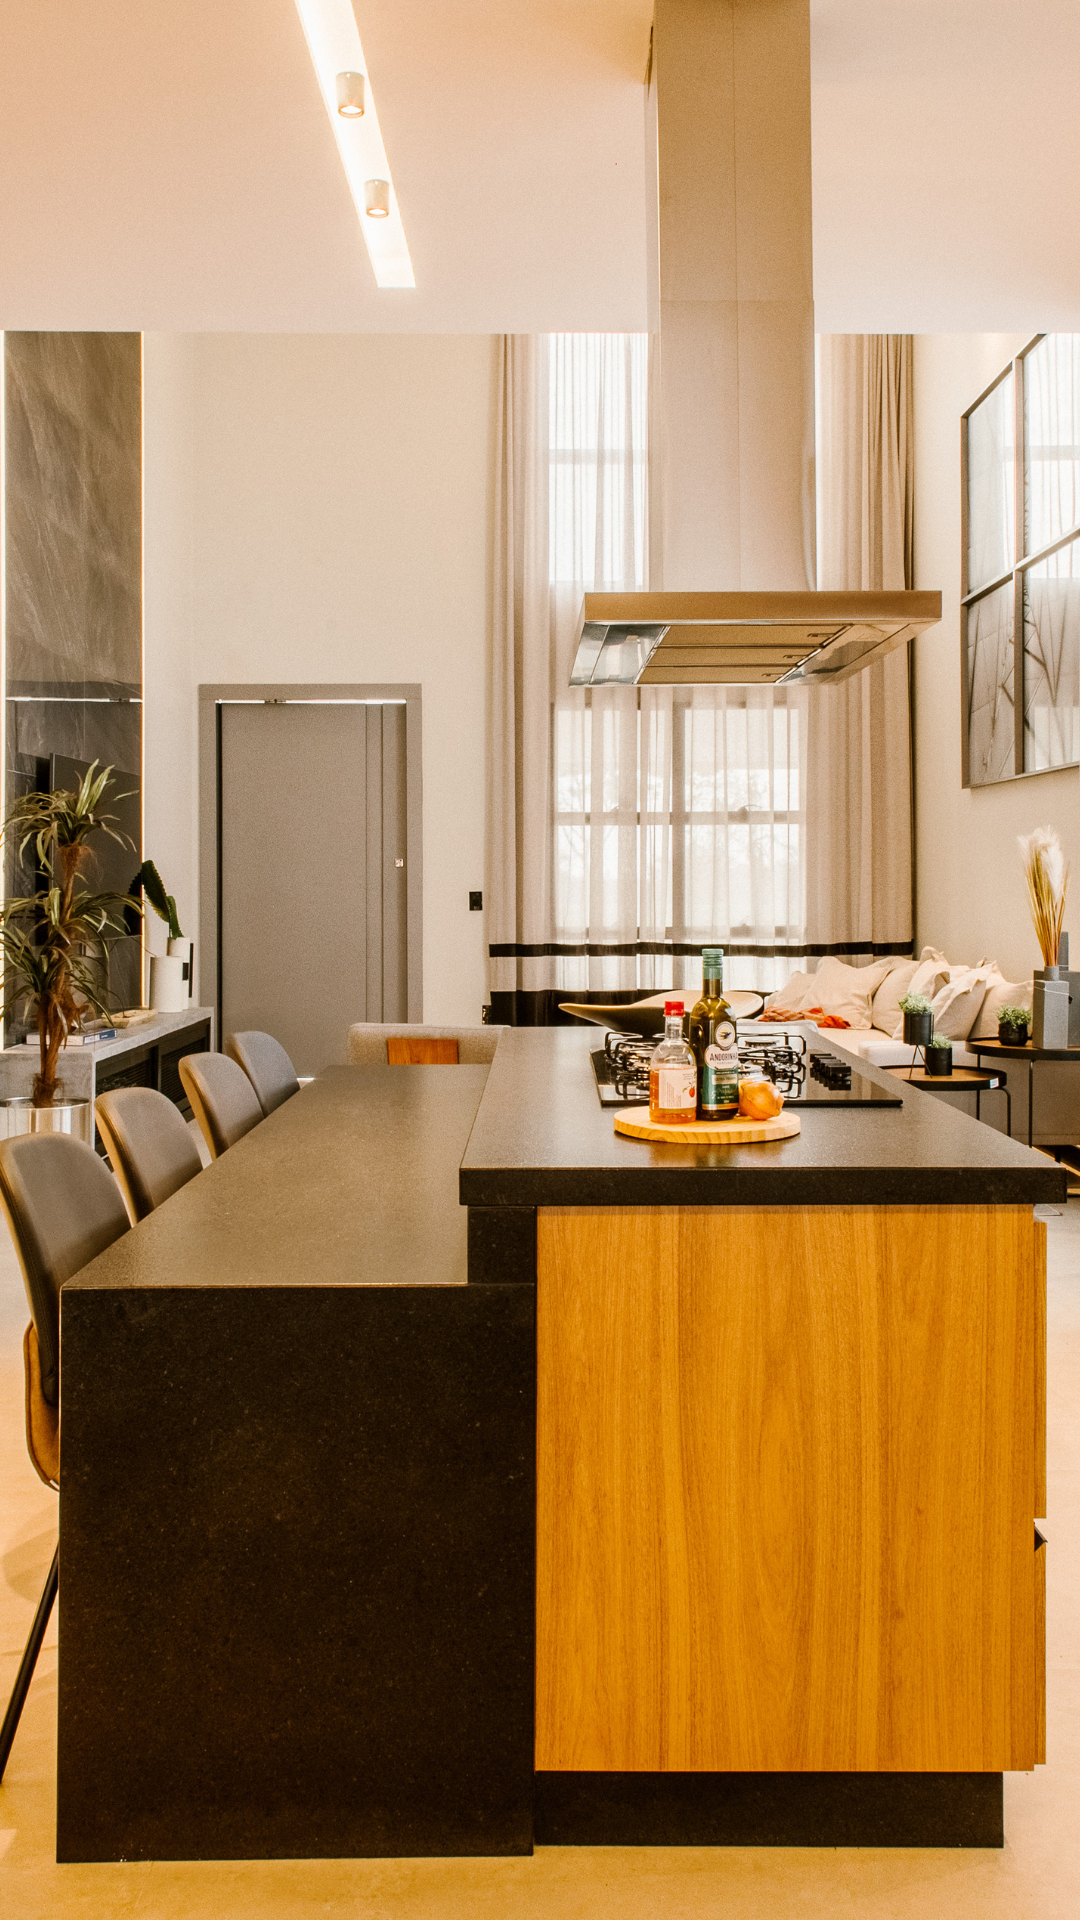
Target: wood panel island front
(686, 1496)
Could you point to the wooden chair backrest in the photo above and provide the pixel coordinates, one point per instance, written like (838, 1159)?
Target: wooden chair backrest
(403, 1052)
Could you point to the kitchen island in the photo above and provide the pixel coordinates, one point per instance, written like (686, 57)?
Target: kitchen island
(749, 1516)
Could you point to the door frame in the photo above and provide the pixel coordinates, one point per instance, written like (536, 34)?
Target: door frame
(211, 701)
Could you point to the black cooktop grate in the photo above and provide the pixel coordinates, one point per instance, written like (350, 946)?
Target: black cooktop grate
(806, 1077)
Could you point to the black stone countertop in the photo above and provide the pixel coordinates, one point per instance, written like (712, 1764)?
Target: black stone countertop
(353, 1182)
(542, 1139)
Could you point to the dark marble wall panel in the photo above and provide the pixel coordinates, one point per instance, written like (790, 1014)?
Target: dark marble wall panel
(74, 509)
(73, 548)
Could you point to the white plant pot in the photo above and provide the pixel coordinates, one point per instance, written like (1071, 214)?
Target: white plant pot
(184, 950)
(168, 988)
(64, 1116)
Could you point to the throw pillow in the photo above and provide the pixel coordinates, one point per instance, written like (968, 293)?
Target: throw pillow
(1000, 993)
(928, 979)
(848, 991)
(885, 1011)
(789, 998)
(956, 1005)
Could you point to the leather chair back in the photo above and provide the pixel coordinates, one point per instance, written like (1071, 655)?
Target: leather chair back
(148, 1142)
(222, 1097)
(64, 1208)
(267, 1066)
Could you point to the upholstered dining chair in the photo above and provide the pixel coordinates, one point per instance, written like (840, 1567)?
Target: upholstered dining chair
(64, 1208)
(267, 1066)
(149, 1145)
(381, 1044)
(223, 1100)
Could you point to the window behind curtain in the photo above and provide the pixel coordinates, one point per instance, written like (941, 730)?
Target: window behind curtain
(679, 812)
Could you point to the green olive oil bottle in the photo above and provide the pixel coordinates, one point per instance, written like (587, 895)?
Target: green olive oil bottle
(712, 1037)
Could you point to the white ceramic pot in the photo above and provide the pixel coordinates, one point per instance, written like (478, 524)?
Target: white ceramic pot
(184, 950)
(64, 1116)
(168, 988)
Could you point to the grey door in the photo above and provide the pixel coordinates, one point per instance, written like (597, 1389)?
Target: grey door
(312, 832)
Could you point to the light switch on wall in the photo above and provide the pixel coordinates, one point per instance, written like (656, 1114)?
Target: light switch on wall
(476, 903)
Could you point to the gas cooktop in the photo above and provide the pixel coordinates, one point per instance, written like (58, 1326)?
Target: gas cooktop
(806, 1077)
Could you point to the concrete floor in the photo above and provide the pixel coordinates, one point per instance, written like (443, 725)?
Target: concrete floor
(1037, 1874)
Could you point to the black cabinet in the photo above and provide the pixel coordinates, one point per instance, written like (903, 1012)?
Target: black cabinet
(156, 1063)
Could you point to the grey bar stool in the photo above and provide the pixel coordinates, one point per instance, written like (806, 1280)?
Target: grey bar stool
(223, 1100)
(148, 1142)
(267, 1066)
(64, 1208)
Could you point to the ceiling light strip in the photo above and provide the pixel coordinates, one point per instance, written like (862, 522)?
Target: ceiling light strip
(334, 45)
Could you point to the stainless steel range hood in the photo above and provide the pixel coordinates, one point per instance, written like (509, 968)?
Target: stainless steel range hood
(732, 537)
(741, 639)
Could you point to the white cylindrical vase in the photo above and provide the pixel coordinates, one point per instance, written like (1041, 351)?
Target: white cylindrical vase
(184, 950)
(168, 988)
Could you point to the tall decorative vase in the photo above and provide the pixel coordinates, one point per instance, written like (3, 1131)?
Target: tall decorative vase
(1050, 1008)
(168, 988)
(184, 950)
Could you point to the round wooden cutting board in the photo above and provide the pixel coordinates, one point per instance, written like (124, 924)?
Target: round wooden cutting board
(708, 1133)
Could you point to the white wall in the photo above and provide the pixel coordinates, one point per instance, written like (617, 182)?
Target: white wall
(970, 895)
(317, 508)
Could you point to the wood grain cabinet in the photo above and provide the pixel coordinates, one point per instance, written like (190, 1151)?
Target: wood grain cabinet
(788, 1465)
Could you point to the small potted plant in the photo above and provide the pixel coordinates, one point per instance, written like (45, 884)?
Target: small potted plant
(918, 1019)
(55, 941)
(938, 1054)
(1013, 1025)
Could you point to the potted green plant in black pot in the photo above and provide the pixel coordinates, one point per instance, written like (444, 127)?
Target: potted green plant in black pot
(55, 940)
(938, 1054)
(918, 1019)
(1013, 1026)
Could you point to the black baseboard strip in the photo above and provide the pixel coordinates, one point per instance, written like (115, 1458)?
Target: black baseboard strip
(768, 1810)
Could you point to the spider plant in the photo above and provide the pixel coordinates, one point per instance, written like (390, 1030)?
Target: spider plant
(55, 941)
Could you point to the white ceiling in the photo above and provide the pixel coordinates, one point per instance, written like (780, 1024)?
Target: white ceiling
(170, 166)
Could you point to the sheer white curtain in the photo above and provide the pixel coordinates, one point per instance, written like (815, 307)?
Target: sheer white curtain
(859, 860)
(630, 827)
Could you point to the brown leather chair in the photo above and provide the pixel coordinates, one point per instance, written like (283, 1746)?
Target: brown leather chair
(64, 1208)
(149, 1145)
(267, 1066)
(222, 1097)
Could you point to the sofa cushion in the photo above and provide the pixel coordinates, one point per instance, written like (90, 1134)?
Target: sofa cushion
(793, 994)
(885, 1011)
(880, 1052)
(956, 1005)
(1000, 993)
(849, 991)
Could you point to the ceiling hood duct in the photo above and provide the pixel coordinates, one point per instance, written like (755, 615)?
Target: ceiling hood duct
(731, 314)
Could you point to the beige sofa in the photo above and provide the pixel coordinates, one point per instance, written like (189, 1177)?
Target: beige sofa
(966, 1001)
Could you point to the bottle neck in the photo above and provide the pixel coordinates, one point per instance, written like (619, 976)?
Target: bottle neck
(673, 1026)
(713, 986)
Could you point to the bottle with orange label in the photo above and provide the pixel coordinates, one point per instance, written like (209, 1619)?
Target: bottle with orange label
(672, 1074)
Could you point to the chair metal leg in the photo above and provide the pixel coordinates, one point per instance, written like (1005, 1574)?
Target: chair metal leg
(28, 1662)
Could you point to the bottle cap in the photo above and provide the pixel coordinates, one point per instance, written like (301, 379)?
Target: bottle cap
(672, 1006)
(712, 959)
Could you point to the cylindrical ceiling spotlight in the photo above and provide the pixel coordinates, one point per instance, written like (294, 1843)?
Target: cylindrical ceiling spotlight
(377, 199)
(350, 95)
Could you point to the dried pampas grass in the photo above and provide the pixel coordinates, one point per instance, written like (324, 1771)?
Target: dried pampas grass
(1047, 877)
